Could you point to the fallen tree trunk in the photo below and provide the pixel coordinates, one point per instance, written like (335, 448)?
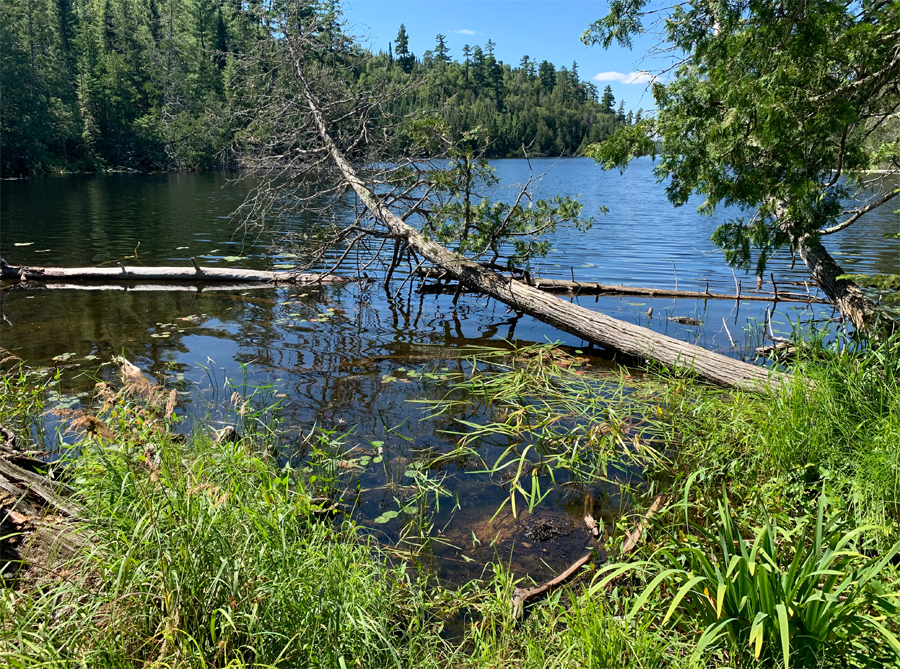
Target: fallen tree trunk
(182, 274)
(574, 319)
(866, 316)
(36, 516)
(128, 287)
(566, 287)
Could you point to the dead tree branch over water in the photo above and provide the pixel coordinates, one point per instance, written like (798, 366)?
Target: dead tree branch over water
(407, 187)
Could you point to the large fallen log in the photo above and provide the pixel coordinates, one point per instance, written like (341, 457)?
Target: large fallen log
(594, 327)
(175, 274)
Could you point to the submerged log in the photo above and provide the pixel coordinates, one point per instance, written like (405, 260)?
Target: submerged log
(129, 287)
(566, 287)
(176, 274)
(594, 327)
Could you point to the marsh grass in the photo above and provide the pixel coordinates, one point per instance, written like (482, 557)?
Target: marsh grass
(23, 400)
(836, 423)
(553, 422)
(811, 595)
(206, 554)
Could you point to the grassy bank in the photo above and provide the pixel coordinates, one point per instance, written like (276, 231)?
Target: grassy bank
(777, 545)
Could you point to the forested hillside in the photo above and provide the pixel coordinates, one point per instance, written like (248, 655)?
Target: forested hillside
(153, 84)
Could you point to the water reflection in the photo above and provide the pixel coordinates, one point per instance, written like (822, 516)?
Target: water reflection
(351, 357)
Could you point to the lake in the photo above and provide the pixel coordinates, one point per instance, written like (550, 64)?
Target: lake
(349, 359)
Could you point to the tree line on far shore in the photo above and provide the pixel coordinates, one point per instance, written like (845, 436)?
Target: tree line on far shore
(156, 84)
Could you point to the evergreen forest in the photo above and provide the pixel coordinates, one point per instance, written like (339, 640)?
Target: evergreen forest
(156, 85)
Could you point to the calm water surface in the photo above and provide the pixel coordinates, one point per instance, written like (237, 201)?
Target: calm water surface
(327, 351)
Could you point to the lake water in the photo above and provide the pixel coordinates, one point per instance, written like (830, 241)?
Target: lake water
(327, 351)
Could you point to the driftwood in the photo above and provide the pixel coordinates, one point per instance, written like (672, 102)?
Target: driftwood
(589, 521)
(633, 537)
(169, 287)
(176, 274)
(51, 493)
(36, 529)
(9, 438)
(594, 327)
(566, 287)
(522, 595)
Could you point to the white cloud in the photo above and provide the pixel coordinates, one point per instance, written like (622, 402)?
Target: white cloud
(642, 77)
(466, 31)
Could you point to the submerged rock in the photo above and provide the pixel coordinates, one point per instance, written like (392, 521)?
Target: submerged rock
(547, 528)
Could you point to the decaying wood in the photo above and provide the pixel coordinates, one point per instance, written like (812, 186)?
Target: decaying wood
(634, 536)
(176, 274)
(594, 327)
(36, 519)
(589, 521)
(226, 435)
(51, 493)
(566, 287)
(9, 438)
(522, 595)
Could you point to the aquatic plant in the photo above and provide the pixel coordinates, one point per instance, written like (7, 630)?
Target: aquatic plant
(553, 421)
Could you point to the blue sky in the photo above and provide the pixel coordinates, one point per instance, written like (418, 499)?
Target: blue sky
(542, 29)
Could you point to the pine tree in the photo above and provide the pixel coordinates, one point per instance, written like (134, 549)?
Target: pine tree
(608, 100)
(405, 59)
(547, 74)
(441, 52)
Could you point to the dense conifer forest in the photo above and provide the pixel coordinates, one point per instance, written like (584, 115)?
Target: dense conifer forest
(155, 84)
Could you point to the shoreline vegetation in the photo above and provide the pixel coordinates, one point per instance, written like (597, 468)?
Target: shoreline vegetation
(777, 546)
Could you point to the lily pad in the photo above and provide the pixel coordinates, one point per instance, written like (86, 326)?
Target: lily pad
(386, 516)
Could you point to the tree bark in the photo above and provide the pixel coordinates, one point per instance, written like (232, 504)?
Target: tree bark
(574, 319)
(853, 303)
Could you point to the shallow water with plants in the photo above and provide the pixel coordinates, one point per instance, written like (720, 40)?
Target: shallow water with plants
(346, 361)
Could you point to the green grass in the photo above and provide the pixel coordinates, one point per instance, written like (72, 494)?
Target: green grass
(205, 554)
(836, 424)
(209, 555)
